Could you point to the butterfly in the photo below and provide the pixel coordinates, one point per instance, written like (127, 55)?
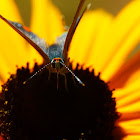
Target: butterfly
(56, 54)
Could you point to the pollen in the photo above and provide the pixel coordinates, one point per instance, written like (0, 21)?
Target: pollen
(6, 102)
(41, 111)
(24, 82)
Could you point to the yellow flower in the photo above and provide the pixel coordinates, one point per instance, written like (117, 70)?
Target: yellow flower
(101, 42)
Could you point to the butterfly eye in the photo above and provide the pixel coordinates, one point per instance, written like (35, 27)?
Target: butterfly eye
(53, 64)
(57, 63)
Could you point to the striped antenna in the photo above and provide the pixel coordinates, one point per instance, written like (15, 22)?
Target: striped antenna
(80, 82)
(36, 73)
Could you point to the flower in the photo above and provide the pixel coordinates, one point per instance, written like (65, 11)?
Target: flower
(102, 42)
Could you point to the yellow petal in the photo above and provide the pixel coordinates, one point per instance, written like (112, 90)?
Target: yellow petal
(128, 98)
(46, 20)
(12, 51)
(89, 38)
(123, 38)
(131, 127)
(3, 70)
(132, 137)
(130, 108)
(9, 10)
(133, 77)
(129, 116)
(128, 73)
(128, 89)
(0, 85)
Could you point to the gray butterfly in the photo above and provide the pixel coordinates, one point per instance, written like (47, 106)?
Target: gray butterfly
(56, 54)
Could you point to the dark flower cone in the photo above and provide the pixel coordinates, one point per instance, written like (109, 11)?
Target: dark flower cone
(40, 111)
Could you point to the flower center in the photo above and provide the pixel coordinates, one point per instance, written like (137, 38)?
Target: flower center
(38, 110)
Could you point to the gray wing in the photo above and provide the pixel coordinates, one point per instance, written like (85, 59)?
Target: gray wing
(60, 41)
(39, 44)
(38, 41)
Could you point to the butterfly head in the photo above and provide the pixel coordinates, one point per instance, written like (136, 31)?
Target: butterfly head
(56, 63)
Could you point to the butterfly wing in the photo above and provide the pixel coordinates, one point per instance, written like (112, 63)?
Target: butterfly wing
(39, 44)
(72, 30)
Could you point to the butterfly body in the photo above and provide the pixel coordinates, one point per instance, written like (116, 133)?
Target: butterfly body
(56, 50)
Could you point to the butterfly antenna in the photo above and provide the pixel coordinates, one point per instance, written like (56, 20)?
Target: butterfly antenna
(73, 27)
(80, 82)
(79, 18)
(36, 73)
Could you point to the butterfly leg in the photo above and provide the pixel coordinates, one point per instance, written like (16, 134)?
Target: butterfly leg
(57, 80)
(49, 76)
(66, 85)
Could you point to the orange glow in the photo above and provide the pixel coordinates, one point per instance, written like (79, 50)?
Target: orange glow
(1, 138)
